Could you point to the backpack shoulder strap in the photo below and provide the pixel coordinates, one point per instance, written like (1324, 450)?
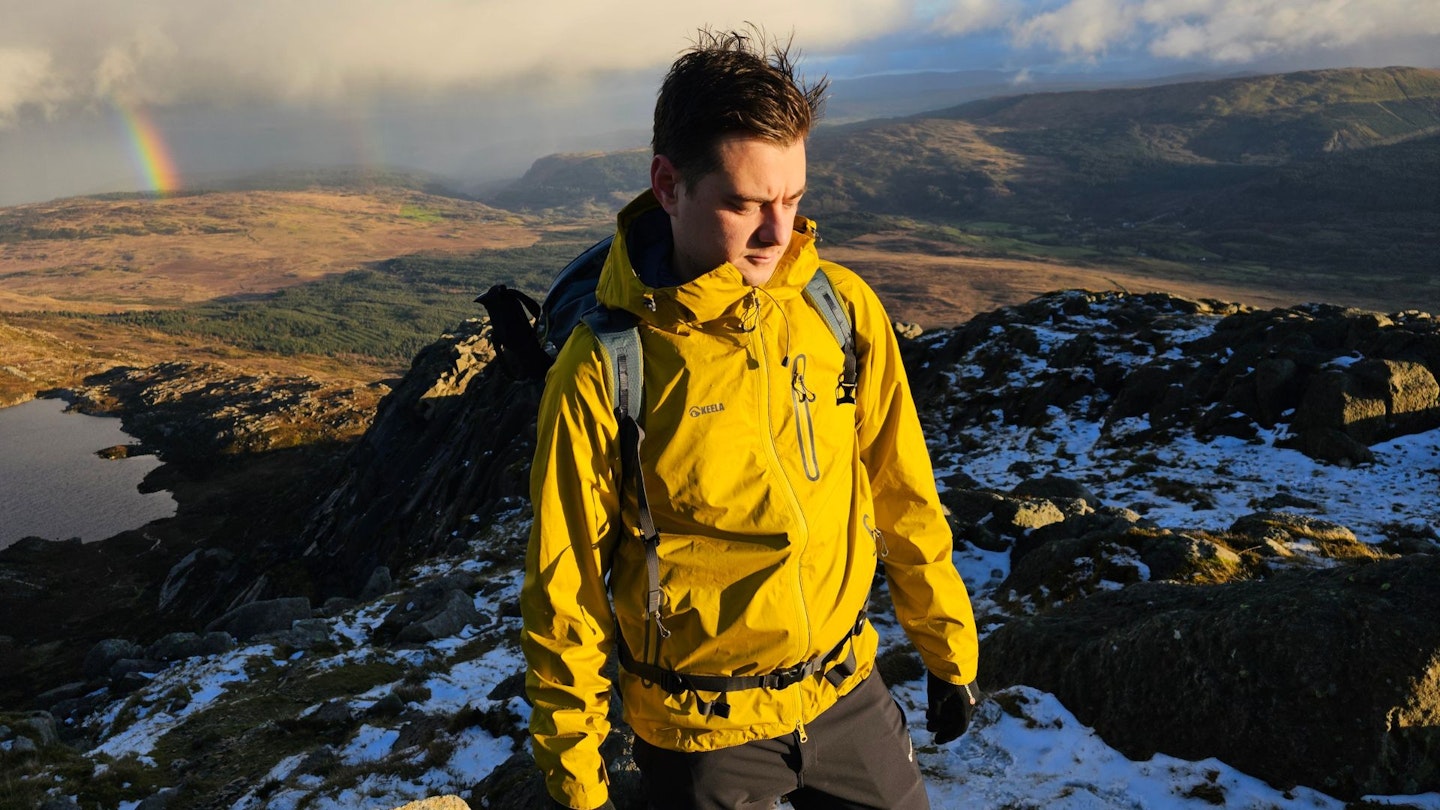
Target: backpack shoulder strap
(619, 337)
(823, 297)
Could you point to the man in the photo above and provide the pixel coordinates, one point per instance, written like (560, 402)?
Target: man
(774, 485)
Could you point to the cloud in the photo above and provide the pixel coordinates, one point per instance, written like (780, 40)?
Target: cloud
(26, 78)
(315, 52)
(971, 16)
(1079, 27)
(69, 53)
(1227, 31)
(1243, 30)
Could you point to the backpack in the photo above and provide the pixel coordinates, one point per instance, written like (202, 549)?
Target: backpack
(530, 349)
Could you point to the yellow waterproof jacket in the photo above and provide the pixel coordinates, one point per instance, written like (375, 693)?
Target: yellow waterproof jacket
(773, 498)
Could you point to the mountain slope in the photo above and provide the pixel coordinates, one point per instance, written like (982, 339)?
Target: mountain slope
(1314, 182)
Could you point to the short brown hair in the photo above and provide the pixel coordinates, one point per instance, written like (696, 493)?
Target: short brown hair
(730, 83)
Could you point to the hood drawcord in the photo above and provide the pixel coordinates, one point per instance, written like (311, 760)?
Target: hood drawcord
(785, 355)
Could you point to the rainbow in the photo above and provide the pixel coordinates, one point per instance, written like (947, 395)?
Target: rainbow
(150, 152)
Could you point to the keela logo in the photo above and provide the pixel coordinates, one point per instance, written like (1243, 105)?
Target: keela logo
(701, 410)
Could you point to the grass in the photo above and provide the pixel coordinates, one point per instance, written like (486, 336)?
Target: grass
(387, 312)
(419, 214)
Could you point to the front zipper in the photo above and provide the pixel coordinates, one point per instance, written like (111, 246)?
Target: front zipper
(804, 422)
(803, 532)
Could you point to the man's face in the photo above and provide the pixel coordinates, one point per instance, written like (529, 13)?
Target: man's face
(742, 213)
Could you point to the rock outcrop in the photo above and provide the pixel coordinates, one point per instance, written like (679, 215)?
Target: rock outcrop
(1326, 678)
(190, 411)
(449, 446)
(1339, 379)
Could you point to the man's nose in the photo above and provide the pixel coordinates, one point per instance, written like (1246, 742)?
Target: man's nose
(773, 225)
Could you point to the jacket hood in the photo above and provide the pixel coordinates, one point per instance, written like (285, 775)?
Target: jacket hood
(637, 278)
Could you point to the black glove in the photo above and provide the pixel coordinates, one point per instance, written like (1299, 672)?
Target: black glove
(950, 709)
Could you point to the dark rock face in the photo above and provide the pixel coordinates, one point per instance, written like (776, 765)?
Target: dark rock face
(1326, 678)
(450, 444)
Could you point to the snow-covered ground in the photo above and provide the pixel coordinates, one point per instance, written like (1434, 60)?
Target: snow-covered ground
(1032, 753)
(1036, 755)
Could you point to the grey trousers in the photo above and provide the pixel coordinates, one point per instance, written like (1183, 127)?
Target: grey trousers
(857, 755)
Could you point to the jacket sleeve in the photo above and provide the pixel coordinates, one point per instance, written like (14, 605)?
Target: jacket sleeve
(931, 602)
(567, 621)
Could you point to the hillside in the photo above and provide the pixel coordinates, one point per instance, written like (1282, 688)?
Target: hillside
(106, 254)
(343, 275)
(1314, 184)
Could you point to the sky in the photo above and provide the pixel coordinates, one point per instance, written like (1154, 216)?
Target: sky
(138, 94)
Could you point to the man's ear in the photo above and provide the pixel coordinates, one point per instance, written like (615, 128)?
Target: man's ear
(665, 182)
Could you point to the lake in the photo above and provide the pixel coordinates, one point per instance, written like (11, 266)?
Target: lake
(53, 485)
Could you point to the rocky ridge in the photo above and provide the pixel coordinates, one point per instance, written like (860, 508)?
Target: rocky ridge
(1093, 453)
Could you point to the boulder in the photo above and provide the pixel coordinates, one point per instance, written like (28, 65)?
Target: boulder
(449, 618)
(105, 653)
(1015, 516)
(1182, 557)
(305, 634)
(1326, 678)
(1054, 488)
(1338, 400)
(1330, 539)
(266, 616)
(1331, 445)
(20, 746)
(177, 646)
(38, 728)
(1411, 394)
(159, 800)
(129, 666)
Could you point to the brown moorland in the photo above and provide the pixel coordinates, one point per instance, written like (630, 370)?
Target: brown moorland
(90, 255)
(108, 255)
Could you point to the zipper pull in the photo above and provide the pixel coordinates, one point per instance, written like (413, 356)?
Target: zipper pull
(878, 536)
(800, 732)
(797, 381)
